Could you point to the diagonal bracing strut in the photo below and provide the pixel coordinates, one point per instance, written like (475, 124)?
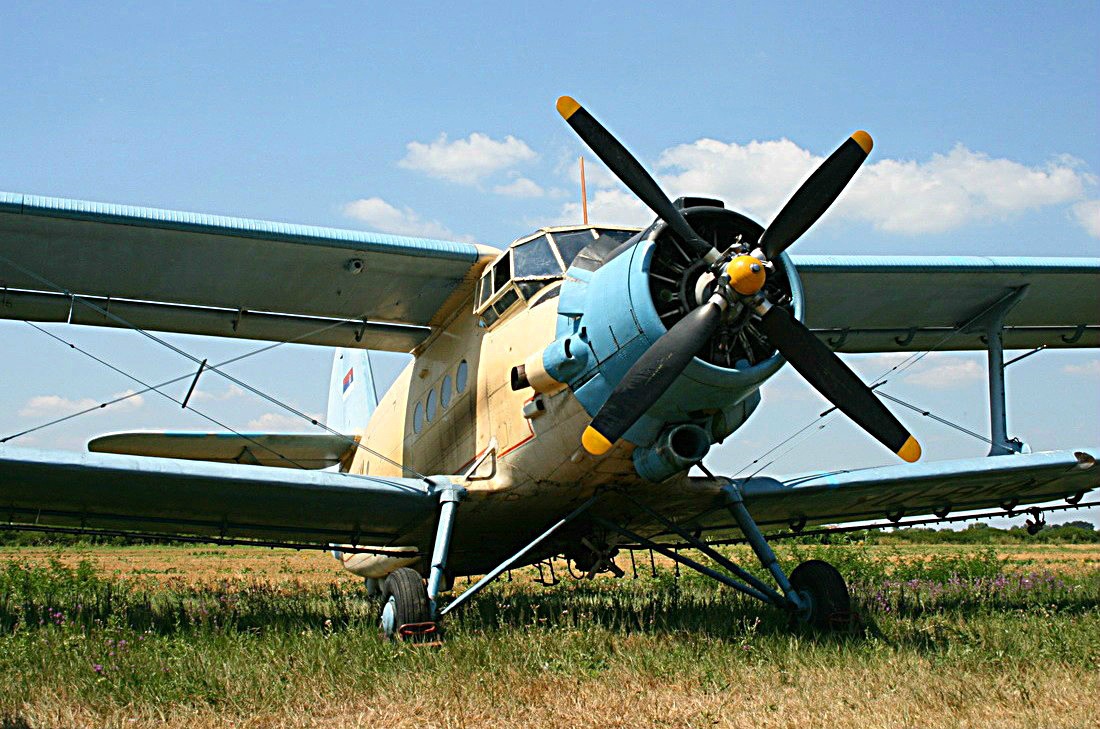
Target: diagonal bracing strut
(507, 564)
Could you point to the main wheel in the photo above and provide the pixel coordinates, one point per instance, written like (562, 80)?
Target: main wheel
(819, 582)
(404, 602)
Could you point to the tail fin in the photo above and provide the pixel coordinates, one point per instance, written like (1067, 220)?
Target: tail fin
(352, 397)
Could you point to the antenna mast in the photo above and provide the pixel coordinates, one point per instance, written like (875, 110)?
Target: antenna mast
(584, 193)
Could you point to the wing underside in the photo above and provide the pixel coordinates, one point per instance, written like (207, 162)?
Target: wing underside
(230, 277)
(919, 303)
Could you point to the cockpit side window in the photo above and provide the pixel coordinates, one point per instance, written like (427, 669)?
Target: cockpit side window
(497, 293)
(502, 271)
(486, 288)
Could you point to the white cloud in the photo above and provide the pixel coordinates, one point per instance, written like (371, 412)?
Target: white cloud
(46, 406)
(520, 187)
(380, 215)
(755, 178)
(876, 365)
(1088, 369)
(953, 189)
(596, 175)
(466, 161)
(609, 207)
(280, 423)
(229, 393)
(942, 193)
(1087, 213)
(947, 375)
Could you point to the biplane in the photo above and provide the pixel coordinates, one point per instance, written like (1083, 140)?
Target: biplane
(559, 394)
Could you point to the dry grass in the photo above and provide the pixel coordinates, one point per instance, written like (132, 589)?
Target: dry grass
(896, 692)
(636, 653)
(174, 565)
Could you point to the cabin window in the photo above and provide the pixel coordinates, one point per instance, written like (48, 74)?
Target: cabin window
(418, 418)
(461, 376)
(510, 297)
(445, 391)
(433, 405)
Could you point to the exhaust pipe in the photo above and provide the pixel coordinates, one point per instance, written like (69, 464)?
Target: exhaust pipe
(675, 450)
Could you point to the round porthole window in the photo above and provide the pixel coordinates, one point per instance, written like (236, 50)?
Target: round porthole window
(433, 405)
(462, 375)
(418, 418)
(445, 391)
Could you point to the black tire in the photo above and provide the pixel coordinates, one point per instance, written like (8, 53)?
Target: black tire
(830, 603)
(404, 601)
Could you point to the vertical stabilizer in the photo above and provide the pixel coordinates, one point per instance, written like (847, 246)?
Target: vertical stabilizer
(351, 392)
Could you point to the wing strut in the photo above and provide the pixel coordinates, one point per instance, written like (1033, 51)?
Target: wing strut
(992, 324)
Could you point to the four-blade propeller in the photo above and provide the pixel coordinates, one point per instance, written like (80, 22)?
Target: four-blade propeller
(739, 282)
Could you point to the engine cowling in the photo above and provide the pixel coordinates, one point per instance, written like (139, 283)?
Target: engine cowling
(621, 308)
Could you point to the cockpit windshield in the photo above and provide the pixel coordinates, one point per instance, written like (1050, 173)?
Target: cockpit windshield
(536, 258)
(530, 265)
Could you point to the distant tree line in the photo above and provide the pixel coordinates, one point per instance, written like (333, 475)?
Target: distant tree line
(1073, 532)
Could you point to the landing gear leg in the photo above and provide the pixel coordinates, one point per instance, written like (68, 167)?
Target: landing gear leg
(799, 600)
(814, 594)
(408, 605)
(815, 589)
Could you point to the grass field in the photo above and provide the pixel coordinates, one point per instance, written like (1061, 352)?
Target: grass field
(185, 636)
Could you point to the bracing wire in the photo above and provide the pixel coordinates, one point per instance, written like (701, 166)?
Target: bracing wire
(879, 381)
(160, 392)
(214, 368)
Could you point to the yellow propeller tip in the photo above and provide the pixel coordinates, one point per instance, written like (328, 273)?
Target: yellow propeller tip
(910, 452)
(862, 138)
(567, 106)
(594, 442)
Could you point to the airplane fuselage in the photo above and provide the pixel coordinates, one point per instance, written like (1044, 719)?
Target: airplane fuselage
(457, 408)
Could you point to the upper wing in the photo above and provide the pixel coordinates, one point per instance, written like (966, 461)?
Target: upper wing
(228, 277)
(885, 492)
(914, 303)
(103, 491)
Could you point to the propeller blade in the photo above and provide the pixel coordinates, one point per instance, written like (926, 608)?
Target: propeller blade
(651, 375)
(832, 378)
(630, 171)
(815, 196)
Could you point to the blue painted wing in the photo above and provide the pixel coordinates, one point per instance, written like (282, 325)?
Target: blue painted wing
(914, 303)
(909, 489)
(104, 491)
(229, 277)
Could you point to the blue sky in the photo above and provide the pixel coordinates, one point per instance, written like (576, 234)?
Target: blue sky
(435, 119)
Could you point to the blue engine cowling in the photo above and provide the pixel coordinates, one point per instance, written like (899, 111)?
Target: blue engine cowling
(608, 317)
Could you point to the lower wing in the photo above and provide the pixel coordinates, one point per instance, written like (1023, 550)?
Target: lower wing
(888, 492)
(226, 500)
